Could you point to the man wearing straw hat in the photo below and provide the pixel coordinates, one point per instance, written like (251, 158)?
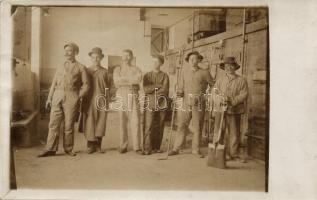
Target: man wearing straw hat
(192, 86)
(69, 85)
(235, 90)
(96, 103)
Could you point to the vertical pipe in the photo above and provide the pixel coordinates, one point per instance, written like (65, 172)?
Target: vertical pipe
(193, 29)
(6, 42)
(245, 117)
(243, 42)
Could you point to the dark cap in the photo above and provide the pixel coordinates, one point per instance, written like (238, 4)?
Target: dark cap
(200, 57)
(229, 60)
(96, 50)
(73, 45)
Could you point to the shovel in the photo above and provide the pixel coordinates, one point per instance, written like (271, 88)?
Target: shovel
(217, 151)
(170, 134)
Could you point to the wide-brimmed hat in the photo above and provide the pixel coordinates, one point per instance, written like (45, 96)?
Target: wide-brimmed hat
(96, 50)
(200, 57)
(73, 45)
(229, 60)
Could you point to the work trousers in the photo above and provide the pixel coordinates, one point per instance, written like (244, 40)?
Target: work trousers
(62, 115)
(196, 114)
(154, 129)
(129, 118)
(230, 132)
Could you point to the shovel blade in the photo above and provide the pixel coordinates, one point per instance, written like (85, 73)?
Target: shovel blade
(216, 156)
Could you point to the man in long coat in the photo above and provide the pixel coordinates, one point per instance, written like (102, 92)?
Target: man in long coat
(69, 85)
(95, 105)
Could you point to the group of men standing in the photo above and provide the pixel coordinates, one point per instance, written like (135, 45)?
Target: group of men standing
(75, 89)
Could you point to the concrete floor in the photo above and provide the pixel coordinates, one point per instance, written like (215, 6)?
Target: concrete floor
(130, 171)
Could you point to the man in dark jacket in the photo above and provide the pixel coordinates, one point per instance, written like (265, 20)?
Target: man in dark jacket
(156, 88)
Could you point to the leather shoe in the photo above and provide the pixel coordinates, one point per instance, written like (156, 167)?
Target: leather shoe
(91, 150)
(139, 151)
(158, 151)
(99, 150)
(147, 153)
(173, 153)
(198, 154)
(46, 154)
(71, 153)
(123, 151)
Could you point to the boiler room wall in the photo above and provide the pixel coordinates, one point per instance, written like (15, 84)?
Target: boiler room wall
(111, 29)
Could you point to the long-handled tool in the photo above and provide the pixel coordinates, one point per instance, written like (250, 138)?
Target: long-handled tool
(217, 151)
(170, 133)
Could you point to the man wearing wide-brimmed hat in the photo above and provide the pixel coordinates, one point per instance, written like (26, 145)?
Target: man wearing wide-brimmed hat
(96, 103)
(69, 85)
(192, 86)
(235, 90)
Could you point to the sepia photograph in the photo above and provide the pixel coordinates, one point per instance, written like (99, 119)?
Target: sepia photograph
(140, 98)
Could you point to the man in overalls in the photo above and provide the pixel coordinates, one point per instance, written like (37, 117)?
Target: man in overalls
(69, 85)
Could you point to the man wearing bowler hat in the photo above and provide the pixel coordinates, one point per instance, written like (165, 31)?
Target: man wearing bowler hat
(69, 85)
(235, 90)
(192, 86)
(95, 103)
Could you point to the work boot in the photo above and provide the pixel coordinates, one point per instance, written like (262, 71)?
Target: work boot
(71, 153)
(157, 151)
(198, 154)
(123, 150)
(98, 145)
(91, 147)
(139, 151)
(147, 153)
(91, 150)
(173, 153)
(46, 154)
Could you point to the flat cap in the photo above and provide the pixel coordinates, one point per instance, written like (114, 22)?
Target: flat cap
(73, 45)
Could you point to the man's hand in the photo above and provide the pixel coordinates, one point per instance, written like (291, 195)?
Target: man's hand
(48, 104)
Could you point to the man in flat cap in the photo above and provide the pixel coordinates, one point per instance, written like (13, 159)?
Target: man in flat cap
(235, 90)
(156, 88)
(127, 78)
(192, 86)
(69, 85)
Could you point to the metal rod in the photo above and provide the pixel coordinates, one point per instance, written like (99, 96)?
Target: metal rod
(193, 27)
(243, 41)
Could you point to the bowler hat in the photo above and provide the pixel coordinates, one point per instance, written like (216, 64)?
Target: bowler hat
(200, 57)
(229, 60)
(73, 45)
(96, 50)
